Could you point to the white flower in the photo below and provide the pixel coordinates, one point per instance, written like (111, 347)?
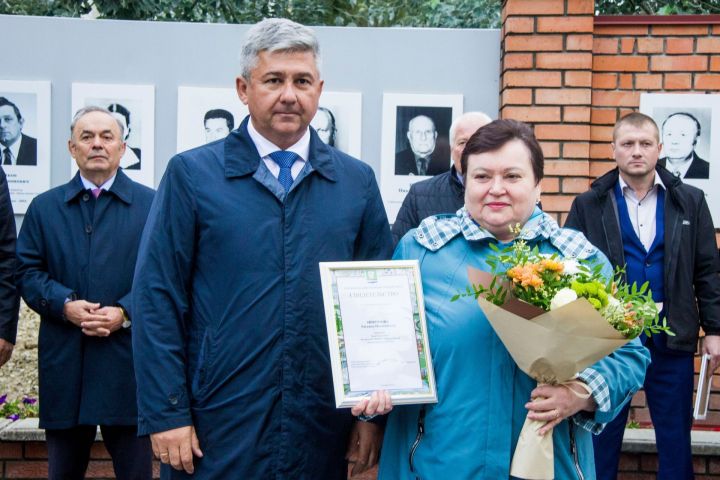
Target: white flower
(563, 297)
(571, 267)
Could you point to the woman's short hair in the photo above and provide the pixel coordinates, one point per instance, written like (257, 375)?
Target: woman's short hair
(496, 134)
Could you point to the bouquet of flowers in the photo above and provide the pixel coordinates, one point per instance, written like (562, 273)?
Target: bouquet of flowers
(556, 317)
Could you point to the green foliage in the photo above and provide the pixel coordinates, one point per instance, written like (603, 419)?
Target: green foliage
(656, 7)
(17, 409)
(362, 13)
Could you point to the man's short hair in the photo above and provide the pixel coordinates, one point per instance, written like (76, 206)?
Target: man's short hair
(276, 35)
(698, 127)
(5, 102)
(467, 115)
(220, 113)
(94, 108)
(636, 119)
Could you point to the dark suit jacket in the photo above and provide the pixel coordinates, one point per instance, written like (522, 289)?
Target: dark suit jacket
(27, 155)
(439, 162)
(73, 246)
(699, 168)
(9, 298)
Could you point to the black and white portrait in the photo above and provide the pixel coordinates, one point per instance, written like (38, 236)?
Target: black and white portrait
(16, 146)
(25, 139)
(207, 114)
(421, 140)
(338, 121)
(134, 108)
(689, 126)
(218, 123)
(415, 142)
(324, 124)
(681, 134)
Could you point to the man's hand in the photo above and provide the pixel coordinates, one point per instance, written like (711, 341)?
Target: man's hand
(176, 447)
(6, 349)
(364, 446)
(711, 346)
(107, 320)
(80, 311)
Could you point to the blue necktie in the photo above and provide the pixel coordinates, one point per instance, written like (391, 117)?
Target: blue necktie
(285, 160)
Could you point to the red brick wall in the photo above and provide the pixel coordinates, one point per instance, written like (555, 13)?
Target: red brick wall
(28, 460)
(573, 75)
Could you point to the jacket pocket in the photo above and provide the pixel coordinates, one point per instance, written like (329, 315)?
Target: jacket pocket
(200, 383)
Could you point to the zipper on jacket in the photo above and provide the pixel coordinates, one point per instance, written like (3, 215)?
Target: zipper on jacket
(416, 443)
(574, 450)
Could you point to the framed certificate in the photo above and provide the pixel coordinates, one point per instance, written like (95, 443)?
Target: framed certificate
(377, 334)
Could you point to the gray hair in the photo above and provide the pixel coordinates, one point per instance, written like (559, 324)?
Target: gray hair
(276, 35)
(482, 116)
(90, 109)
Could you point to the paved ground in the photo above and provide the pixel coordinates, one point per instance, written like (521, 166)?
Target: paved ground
(19, 376)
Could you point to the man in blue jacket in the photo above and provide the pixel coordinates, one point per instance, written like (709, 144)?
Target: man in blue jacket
(76, 251)
(232, 362)
(660, 230)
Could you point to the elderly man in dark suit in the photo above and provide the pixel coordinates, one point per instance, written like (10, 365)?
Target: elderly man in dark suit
(680, 132)
(16, 148)
(424, 157)
(76, 251)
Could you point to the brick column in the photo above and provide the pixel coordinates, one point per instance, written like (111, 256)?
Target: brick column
(546, 81)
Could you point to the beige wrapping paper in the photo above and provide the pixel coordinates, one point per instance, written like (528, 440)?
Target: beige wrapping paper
(551, 347)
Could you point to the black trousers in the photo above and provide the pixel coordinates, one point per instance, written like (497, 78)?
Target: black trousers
(69, 452)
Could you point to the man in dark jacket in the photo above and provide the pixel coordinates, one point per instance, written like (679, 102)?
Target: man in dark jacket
(76, 251)
(646, 220)
(231, 348)
(9, 298)
(443, 193)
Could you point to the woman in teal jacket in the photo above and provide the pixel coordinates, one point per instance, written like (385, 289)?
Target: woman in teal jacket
(483, 398)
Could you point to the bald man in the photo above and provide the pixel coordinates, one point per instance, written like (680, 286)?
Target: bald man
(444, 193)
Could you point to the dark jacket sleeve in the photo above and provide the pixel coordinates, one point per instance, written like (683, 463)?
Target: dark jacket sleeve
(9, 298)
(41, 292)
(407, 217)
(706, 277)
(161, 303)
(574, 219)
(374, 241)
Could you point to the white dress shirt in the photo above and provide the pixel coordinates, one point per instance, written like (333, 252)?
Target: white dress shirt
(105, 186)
(679, 168)
(265, 147)
(642, 210)
(14, 151)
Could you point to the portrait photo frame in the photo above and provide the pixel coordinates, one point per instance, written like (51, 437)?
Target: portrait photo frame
(346, 113)
(134, 105)
(377, 333)
(194, 104)
(29, 173)
(424, 113)
(696, 115)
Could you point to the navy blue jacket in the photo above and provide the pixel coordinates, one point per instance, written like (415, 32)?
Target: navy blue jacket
(9, 298)
(73, 246)
(229, 326)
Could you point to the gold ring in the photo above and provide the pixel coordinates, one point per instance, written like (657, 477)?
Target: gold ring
(164, 454)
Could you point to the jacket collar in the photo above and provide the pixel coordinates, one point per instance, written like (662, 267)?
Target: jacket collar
(604, 184)
(121, 187)
(242, 157)
(436, 231)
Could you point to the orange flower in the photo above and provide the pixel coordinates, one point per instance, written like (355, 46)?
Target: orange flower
(552, 265)
(526, 275)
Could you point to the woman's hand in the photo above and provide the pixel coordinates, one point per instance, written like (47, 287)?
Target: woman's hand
(379, 403)
(554, 403)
